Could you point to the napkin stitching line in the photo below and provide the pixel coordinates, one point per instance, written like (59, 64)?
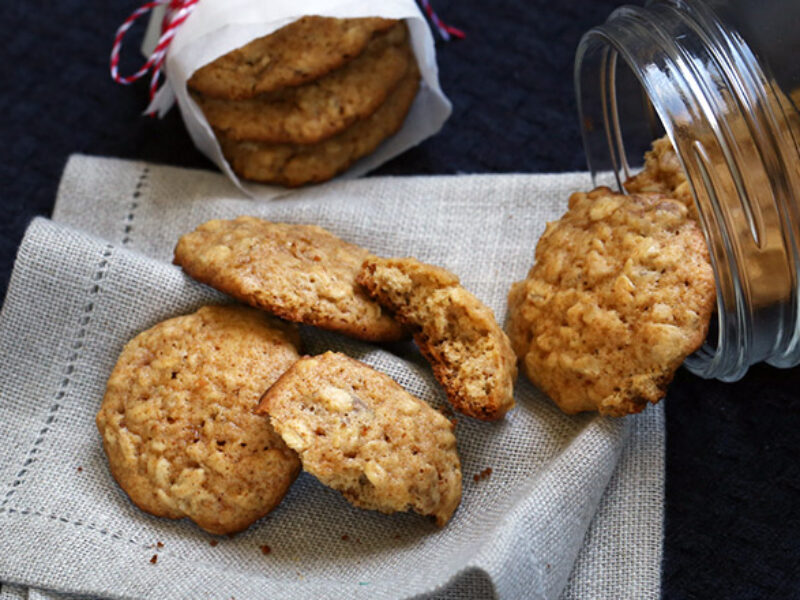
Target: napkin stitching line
(76, 346)
(137, 192)
(77, 523)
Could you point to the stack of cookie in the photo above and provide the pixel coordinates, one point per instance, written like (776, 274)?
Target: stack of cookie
(305, 102)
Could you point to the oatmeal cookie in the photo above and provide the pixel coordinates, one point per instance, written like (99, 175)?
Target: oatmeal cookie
(470, 355)
(178, 421)
(620, 294)
(302, 273)
(313, 112)
(293, 55)
(298, 164)
(359, 432)
(663, 174)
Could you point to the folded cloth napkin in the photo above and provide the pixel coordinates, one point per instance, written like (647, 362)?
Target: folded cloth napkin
(573, 506)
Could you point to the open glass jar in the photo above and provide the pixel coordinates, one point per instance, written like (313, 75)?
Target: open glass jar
(722, 78)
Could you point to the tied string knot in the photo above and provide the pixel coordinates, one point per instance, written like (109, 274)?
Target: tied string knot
(176, 14)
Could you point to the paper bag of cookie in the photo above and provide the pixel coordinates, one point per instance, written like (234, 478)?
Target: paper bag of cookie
(293, 93)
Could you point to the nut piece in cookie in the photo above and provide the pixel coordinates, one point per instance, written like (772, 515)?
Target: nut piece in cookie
(315, 111)
(298, 53)
(620, 294)
(359, 432)
(470, 355)
(178, 421)
(302, 273)
(293, 165)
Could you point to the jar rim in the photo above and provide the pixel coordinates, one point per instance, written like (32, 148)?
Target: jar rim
(709, 93)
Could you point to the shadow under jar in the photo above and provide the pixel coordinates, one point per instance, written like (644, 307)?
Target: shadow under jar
(722, 78)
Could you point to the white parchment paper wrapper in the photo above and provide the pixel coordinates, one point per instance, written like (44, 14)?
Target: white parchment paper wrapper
(216, 27)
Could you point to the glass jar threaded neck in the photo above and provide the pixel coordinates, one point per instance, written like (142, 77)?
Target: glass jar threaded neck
(685, 71)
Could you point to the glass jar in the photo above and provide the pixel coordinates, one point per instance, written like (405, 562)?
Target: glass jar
(722, 79)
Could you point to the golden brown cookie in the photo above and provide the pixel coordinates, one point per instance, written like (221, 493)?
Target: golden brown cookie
(301, 273)
(302, 51)
(359, 432)
(663, 174)
(470, 355)
(178, 420)
(621, 293)
(313, 112)
(297, 164)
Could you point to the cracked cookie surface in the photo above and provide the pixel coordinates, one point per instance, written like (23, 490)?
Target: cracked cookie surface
(620, 294)
(315, 111)
(300, 52)
(178, 421)
(470, 354)
(301, 273)
(359, 432)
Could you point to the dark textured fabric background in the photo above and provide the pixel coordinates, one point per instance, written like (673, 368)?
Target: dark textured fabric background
(733, 476)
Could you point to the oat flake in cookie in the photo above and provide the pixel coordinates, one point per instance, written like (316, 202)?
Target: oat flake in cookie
(663, 174)
(620, 294)
(301, 273)
(178, 421)
(470, 355)
(359, 432)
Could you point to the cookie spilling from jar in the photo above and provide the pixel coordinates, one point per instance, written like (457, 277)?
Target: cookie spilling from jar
(304, 103)
(621, 292)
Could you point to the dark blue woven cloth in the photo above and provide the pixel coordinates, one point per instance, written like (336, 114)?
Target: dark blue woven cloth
(733, 480)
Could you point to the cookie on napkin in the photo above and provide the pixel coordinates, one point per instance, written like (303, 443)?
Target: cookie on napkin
(359, 432)
(301, 273)
(178, 421)
(470, 355)
(621, 293)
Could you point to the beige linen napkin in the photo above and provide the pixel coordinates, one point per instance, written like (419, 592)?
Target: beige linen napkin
(573, 507)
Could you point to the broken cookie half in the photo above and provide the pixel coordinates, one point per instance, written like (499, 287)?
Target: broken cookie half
(359, 432)
(622, 291)
(470, 354)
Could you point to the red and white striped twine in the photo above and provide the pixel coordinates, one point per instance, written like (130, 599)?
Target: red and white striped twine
(443, 28)
(177, 12)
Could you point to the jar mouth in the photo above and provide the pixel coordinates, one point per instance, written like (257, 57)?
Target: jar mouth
(684, 73)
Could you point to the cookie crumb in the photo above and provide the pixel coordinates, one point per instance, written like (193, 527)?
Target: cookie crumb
(80, 469)
(213, 543)
(485, 474)
(159, 545)
(265, 549)
(154, 559)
